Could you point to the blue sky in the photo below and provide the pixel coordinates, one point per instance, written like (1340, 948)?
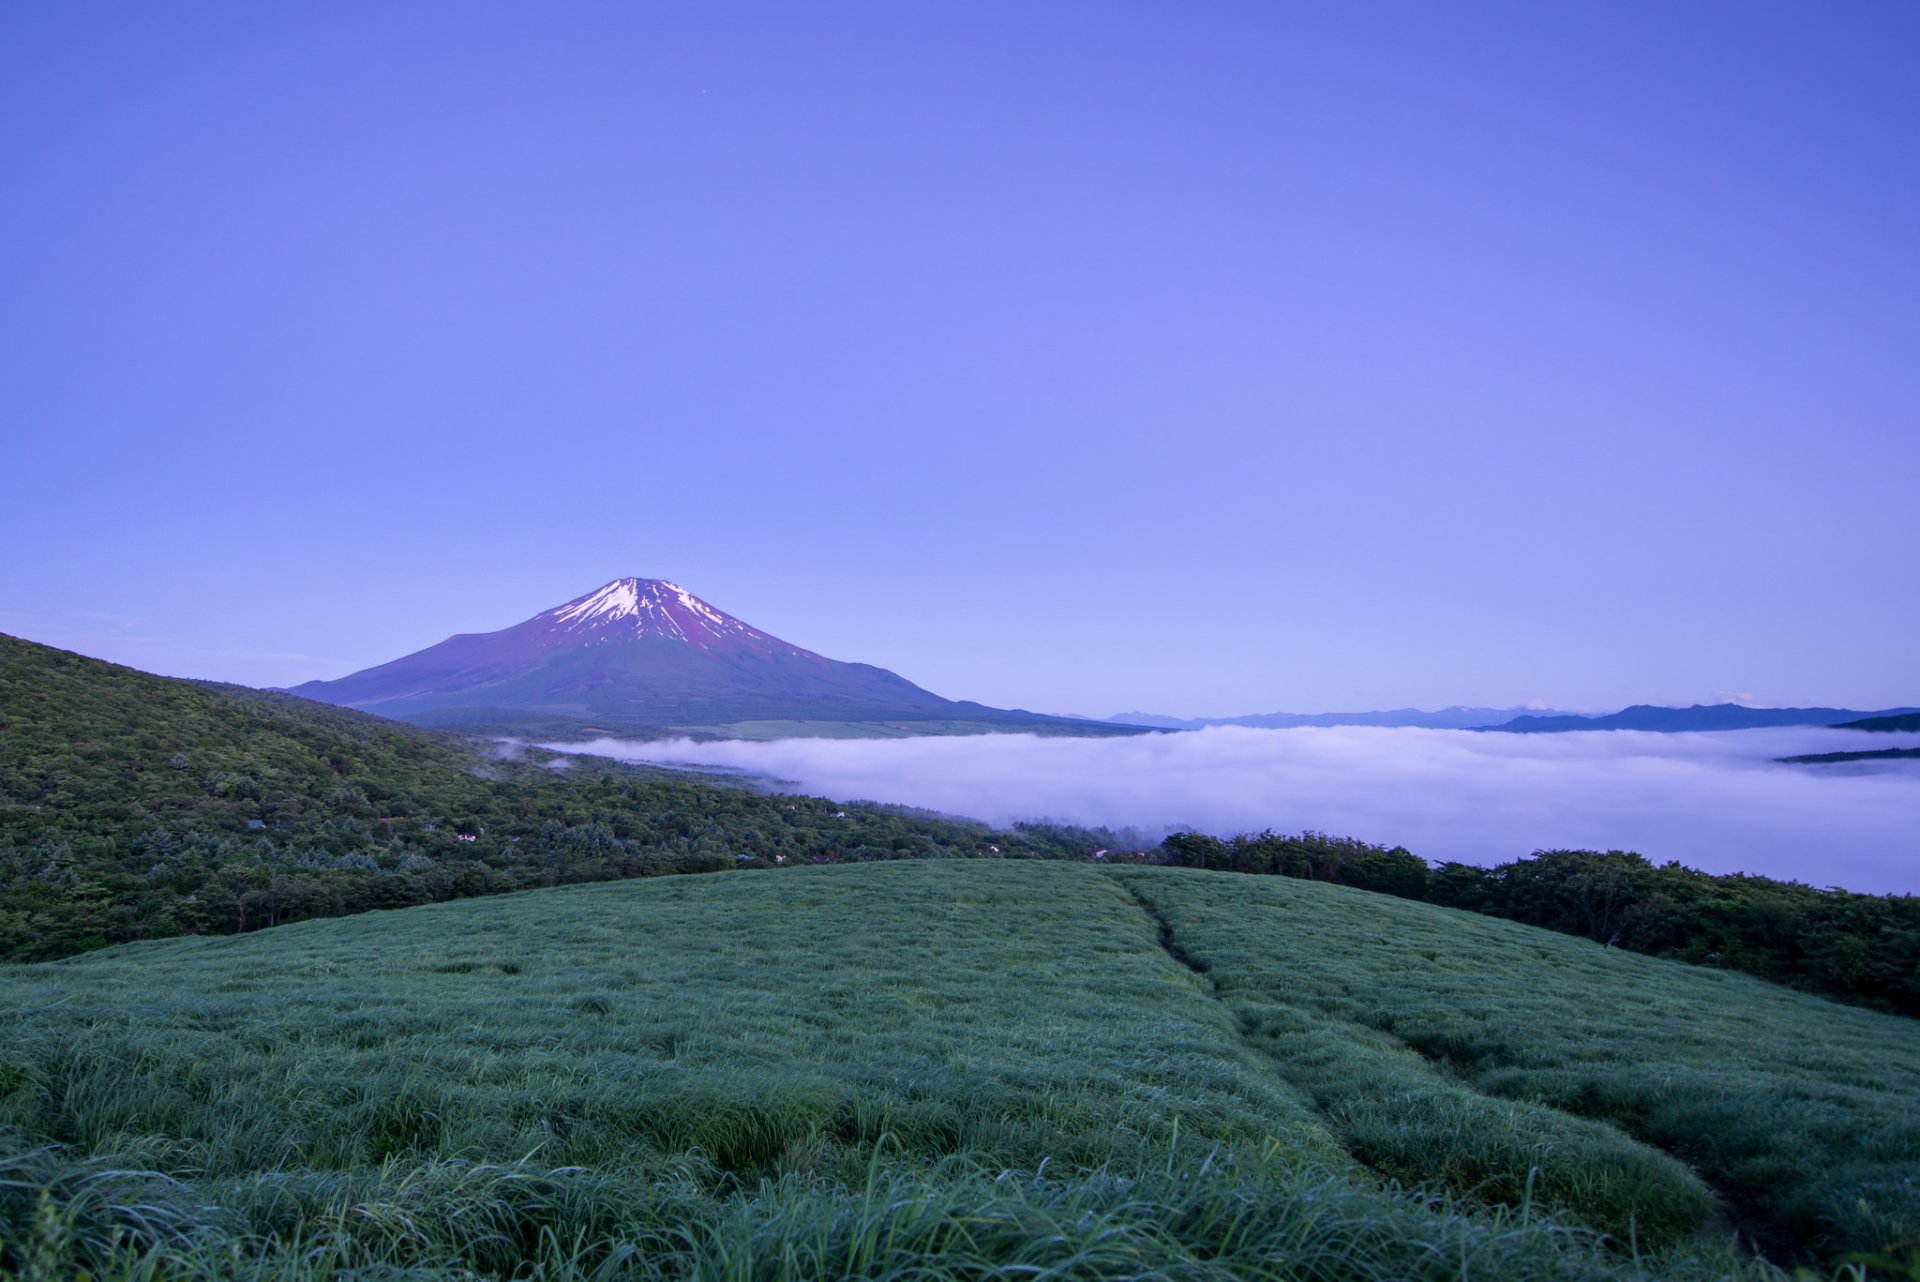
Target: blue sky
(1203, 359)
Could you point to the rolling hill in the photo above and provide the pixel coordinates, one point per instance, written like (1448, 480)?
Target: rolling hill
(1007, 1070)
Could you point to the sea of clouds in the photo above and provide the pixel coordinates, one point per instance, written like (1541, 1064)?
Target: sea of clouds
(1716, 801)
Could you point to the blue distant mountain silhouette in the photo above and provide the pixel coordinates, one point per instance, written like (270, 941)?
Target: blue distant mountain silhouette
(1701, 716)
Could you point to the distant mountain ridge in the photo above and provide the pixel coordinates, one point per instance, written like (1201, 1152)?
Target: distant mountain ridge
(1643, 716)
(1454, 718)
(1885, 724)
(646, 653)
(1701, 716)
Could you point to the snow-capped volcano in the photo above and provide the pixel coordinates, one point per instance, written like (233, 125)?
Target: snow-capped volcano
(639, 652)
(630, 608)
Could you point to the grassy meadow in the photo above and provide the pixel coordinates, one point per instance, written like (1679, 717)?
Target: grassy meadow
(1400, 1019)
(940, 1069)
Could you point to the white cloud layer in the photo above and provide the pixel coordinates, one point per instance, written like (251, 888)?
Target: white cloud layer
(1713, 801)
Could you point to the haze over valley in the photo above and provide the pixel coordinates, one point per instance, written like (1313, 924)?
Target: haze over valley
(1716, 801)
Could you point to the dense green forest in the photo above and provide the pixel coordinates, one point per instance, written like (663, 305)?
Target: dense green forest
(1859, 948)
(138, 807)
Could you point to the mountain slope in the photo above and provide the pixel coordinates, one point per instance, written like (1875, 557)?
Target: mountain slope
(644, 653)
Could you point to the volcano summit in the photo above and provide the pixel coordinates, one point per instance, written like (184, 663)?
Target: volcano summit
(642, 655)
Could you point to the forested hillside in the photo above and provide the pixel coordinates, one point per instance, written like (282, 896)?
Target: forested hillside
(137, 807)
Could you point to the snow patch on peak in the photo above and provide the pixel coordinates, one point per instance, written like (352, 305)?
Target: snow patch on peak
(618, 600)
(653, 608)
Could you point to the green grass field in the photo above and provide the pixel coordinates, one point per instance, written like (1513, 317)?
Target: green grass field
(1398, 1018)
(949, 1069)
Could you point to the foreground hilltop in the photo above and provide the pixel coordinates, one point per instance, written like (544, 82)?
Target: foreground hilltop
(1007, 1070)
(645, 656)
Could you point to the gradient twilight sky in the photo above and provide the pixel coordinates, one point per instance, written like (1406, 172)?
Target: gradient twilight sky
(1197, 358)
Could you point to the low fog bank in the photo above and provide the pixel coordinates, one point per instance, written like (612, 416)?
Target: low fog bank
(1715, 801)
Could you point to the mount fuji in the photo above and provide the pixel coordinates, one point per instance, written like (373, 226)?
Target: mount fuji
(645, 654)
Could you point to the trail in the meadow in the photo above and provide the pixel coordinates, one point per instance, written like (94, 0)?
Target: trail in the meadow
(1163, 930)
(1519, 1068)
(1164, 937)
(1410, 1115)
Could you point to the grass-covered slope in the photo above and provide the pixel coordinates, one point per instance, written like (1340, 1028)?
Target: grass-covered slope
(1859, 948)
(136, 807)
(935, 1070)
(1805, 1116)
